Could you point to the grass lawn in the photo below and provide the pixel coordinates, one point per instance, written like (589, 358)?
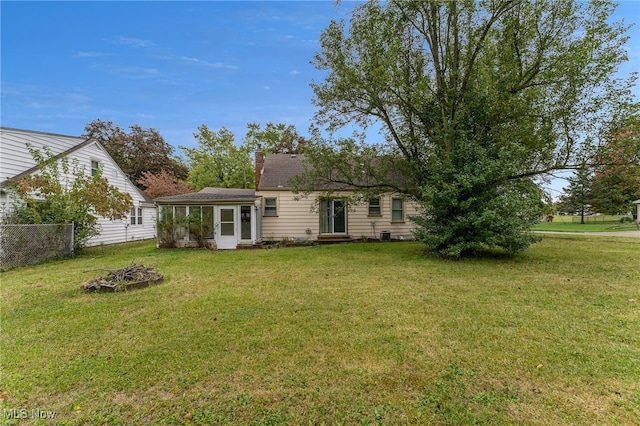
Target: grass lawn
(568, 226)
(377, 333)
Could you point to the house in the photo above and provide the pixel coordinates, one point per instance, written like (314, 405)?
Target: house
(16, 161)
(637, 203)
(235, 218)
(286, 215)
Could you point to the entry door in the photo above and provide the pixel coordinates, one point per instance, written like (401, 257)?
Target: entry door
(333, 217)
(226, 232)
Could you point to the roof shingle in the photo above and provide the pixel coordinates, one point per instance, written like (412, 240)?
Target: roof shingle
(212, 194)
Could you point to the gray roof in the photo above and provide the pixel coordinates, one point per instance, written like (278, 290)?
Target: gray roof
(279, 168)
(211, 195)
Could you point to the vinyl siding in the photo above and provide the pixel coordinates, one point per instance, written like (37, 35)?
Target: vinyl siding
(293, 219)
(360, 223)
(296, 216)
(13, 152)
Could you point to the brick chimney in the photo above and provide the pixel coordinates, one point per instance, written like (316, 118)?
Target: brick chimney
(259, 166)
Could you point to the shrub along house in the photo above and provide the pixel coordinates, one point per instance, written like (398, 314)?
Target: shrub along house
(227, 218)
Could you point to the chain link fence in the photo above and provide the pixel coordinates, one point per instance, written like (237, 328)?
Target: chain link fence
(28, 244)
(602, 218)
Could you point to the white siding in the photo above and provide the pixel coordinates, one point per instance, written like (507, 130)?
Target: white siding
(13, 153)
(296, 216)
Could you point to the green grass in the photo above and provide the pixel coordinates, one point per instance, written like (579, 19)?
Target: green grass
(378, 333)
(564, 224)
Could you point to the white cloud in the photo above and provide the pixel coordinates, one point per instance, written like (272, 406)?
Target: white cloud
(294, 72)
(82, 54)
(134, 42)
(265, 87)
(207, 63)
(133, 72)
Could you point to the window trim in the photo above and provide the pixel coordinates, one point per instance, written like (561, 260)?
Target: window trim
(394, 210)
(379, 207)
(275, 207)
(135, 216)
(95, 170)
(246, 206)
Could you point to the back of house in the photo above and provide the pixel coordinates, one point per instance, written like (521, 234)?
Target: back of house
(324, 218)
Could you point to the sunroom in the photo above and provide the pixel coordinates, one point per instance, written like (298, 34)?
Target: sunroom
(216, 218)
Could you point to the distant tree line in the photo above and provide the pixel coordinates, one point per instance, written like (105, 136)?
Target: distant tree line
(217, 161)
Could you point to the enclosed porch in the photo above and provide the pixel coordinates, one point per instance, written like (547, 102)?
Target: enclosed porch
(215, 218)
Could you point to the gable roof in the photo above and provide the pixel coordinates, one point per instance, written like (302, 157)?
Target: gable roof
(15, 158)
(279, 168)
(210, 195)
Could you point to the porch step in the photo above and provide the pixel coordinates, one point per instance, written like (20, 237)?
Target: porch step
(332, 239)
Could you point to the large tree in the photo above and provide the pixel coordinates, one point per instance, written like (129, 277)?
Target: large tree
(475, 99)
(218, 162)
(138, 151)
(617, 172)
(163, 184)
(277, 138)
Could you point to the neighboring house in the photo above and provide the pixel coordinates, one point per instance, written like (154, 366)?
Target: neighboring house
(16, 161)
(234, 218)
(637, 203)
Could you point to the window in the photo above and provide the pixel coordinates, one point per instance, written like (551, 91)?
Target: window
(374, 207)
(333, 216)
(95, 167)
(207, 222)
(227, 222)
(136, 218)
(180, 215)
(270, 207)
(245, 222)
(397, 210)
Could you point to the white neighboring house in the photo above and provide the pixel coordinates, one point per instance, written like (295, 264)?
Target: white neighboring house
(16, 161)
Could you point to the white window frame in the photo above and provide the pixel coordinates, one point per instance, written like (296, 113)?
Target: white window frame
(274, 207)
(378, 207)
(135, 219)
(395, 210)
(97, 168)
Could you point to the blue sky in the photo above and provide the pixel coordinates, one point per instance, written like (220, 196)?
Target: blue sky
(168, 65)
(172, 66)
